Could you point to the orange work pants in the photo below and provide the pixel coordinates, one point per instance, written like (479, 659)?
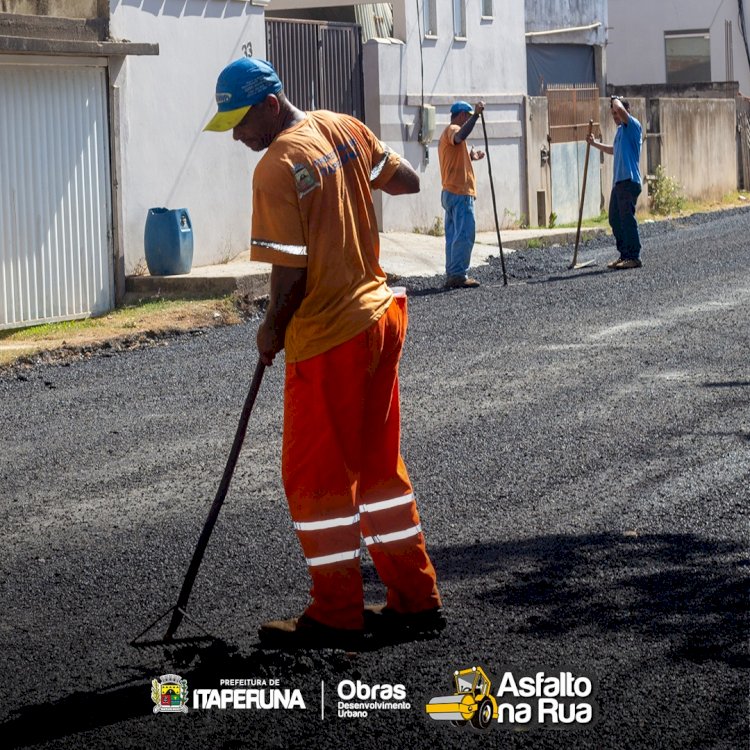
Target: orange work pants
(344, 476)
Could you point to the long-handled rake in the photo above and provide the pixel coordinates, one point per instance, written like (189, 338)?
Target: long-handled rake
(494, 204)
(178, 610)
(574, 263)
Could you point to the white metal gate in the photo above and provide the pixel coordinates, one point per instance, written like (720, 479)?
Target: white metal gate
(55, 202)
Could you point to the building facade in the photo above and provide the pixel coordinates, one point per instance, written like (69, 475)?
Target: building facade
(679, 42)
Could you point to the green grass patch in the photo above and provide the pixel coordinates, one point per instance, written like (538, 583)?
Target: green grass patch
(599, 221)
(122, 319)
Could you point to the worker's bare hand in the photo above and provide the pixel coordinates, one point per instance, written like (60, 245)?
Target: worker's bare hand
(479, 107)
(475, 154)
(269, 343)
(590, 138)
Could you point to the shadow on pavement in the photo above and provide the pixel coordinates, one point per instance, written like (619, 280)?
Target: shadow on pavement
(688, 590)
(205, 665)
(727, 384)
(428, 292)
(94, 709)
(569, 276)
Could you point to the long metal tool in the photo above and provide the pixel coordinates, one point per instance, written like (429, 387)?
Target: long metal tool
(178, 610)
(494, 204)
(574, 263)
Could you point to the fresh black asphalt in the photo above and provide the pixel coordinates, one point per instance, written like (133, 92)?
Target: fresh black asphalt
(579, 442)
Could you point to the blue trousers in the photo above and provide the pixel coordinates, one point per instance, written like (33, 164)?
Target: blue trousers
(622, 218)
(460, 230)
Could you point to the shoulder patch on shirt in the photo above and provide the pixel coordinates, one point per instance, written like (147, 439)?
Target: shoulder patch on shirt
(304, 179)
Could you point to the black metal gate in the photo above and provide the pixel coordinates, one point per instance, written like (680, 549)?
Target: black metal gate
(319, 63)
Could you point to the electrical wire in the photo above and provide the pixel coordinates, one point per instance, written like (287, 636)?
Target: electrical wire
(421, 72)
(743, 30)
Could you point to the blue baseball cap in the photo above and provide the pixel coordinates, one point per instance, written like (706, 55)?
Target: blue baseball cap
(240, 85)
(462, 107)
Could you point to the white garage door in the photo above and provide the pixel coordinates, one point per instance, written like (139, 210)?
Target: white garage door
(55, 203)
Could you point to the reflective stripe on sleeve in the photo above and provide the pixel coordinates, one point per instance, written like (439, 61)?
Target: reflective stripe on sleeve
(385, 504)
(393, 537)
(328, 559)
(331, 523)
(378, 168)
(288, 249)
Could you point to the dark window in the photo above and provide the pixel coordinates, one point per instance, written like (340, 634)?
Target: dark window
(688, 56)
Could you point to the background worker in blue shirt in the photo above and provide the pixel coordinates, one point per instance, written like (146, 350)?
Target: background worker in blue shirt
(627, 183)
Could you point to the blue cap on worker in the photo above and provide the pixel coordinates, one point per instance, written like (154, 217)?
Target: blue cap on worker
(462, 107)
(240, 85)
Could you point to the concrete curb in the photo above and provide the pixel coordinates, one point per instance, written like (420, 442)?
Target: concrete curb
(196, 285)
(403, 255)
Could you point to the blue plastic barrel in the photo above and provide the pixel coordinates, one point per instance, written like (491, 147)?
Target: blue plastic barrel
(168, 241)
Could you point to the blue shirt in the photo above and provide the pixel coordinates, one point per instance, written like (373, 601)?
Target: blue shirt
(627, 151)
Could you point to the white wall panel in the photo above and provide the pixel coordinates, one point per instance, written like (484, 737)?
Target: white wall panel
(55, 205)
(165, 158)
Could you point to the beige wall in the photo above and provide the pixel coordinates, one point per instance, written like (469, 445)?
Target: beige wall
(54, 8)
(698, 145)
(539, 175)
(537, 128)
(695, 143)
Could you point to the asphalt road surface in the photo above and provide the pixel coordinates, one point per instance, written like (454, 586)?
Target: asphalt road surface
(580, 445)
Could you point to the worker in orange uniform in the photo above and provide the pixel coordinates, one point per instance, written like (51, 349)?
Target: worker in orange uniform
(459, 193)
(343, 330)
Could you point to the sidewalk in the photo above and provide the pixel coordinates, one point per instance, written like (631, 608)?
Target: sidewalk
(402, 254)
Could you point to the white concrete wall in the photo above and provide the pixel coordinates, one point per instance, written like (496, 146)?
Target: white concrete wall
(164, 102)
(490, 64)
(635, 52)
(538, 167)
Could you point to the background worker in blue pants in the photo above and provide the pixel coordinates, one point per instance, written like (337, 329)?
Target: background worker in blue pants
(459, 193)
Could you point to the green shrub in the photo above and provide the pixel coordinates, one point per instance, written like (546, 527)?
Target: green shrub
(511, 221)
(436, 230)
(665, 194)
